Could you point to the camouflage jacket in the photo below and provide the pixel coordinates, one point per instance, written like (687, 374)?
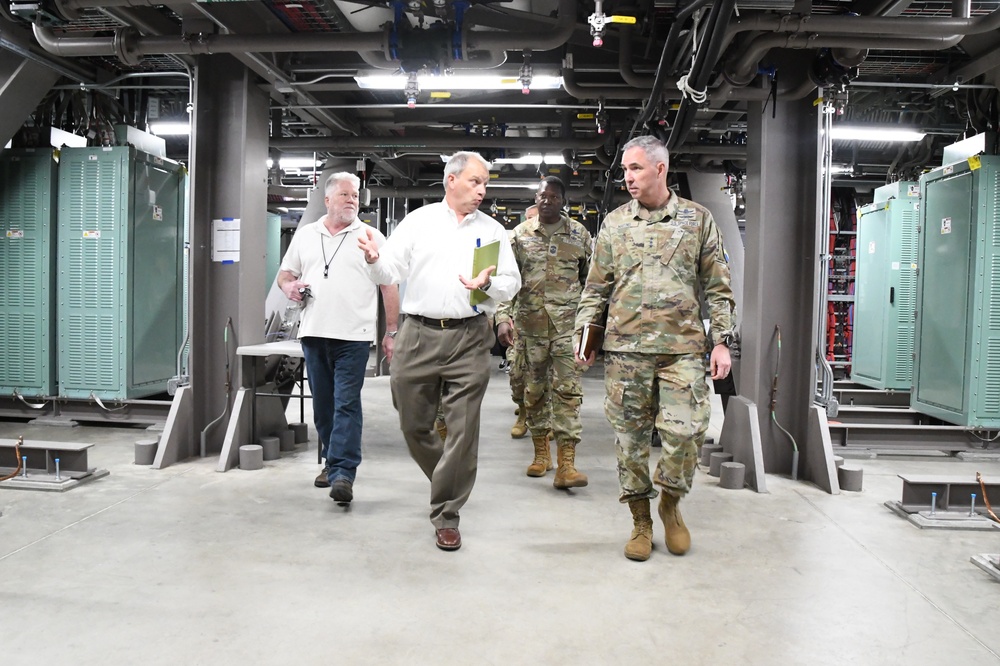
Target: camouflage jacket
(553, 270)
(648, 268)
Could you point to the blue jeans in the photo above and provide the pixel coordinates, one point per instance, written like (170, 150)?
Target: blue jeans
(336, 371)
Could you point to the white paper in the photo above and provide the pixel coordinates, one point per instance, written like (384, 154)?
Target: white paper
(226, 240)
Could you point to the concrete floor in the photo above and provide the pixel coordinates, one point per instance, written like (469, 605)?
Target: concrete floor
(189, 566)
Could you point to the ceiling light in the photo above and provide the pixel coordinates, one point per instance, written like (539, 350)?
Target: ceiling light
(296, 163)
(531, 159)
(170, 129)
(876, 134)
(432, 82)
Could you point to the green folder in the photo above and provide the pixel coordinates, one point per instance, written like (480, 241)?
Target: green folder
(483, 256)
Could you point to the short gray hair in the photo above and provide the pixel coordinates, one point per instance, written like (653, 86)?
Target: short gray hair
(338, 177)
(457, 163)
(655, 149)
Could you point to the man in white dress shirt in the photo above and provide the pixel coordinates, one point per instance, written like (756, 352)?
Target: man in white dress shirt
(443, 346)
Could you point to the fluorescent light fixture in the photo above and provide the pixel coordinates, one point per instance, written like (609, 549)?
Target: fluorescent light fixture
(841, 168)
(434, 82)
(877, 134)
(523, 159)
(296, 163)
(531, 159)
(170, 129)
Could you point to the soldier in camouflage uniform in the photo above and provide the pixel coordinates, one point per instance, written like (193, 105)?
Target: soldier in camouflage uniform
(515, 360)
(653, 256)
(553, 254)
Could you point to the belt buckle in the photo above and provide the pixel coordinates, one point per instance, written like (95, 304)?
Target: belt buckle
(441, 323)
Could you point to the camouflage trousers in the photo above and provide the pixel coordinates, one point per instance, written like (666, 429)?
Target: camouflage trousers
(665, 391)
(515, 355)
(553, 392)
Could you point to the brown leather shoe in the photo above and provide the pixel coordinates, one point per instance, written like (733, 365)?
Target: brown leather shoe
(448, 538)
(321, 479)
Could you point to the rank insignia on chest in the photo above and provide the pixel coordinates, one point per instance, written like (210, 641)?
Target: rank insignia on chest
(553, 249)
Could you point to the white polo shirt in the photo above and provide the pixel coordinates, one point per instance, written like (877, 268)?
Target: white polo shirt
(344, 305)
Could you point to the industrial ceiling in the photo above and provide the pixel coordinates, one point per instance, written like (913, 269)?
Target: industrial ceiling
(931, 66)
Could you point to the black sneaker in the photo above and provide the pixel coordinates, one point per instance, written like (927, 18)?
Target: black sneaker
(342, 491)
(323, 479)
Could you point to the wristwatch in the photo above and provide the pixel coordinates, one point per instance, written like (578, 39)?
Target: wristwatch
(727, 338)
(486, 286)
(392, 334)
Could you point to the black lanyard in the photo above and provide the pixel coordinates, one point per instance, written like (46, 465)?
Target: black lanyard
(326, 266)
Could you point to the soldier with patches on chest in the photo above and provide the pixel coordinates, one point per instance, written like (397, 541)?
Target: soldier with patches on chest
(653, 257)
(553, 256)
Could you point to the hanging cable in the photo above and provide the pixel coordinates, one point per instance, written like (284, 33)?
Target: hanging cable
(774, 406)
(93, 396)
(17, 394)
(229, 387)
(17, 454)
(986, 500)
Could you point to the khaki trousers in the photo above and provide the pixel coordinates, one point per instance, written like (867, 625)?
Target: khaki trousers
(451, 364)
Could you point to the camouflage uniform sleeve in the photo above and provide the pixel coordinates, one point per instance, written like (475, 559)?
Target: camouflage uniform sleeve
(588, 253)
(505, 309)
(715, 281)
(600, 281)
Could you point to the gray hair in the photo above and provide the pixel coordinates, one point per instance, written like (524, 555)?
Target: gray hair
(457, 163)
(339, 177)
(655, 149)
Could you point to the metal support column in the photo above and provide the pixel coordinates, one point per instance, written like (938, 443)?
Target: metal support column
(228, 180)
(780, 276)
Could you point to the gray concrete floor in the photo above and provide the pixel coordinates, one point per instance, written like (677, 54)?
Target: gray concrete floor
(189, 566)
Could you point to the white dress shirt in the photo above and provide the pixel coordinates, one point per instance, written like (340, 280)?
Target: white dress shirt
(431, 248)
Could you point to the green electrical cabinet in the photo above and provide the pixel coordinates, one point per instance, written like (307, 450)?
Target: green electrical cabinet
(27, 300)
(120, 279)
(956, 374)
(885, 288)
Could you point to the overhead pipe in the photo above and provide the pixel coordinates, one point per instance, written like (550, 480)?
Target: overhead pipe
(15, 39)
(129, 46)
(870, 26)
(744, 69)
(457, 142)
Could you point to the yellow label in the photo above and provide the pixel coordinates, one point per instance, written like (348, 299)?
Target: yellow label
(630, 20)
(440, 95)
(975, 162)
(584, 116)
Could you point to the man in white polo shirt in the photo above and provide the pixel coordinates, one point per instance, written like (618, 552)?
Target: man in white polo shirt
(324, 267)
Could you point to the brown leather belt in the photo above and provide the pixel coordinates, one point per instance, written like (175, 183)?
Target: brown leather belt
(443, 323)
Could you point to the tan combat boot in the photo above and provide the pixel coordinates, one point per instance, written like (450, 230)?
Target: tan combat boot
(566, 474)
(520, 428)
(640, 544)
(677, 538)
(543, 458)
(442, 428)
